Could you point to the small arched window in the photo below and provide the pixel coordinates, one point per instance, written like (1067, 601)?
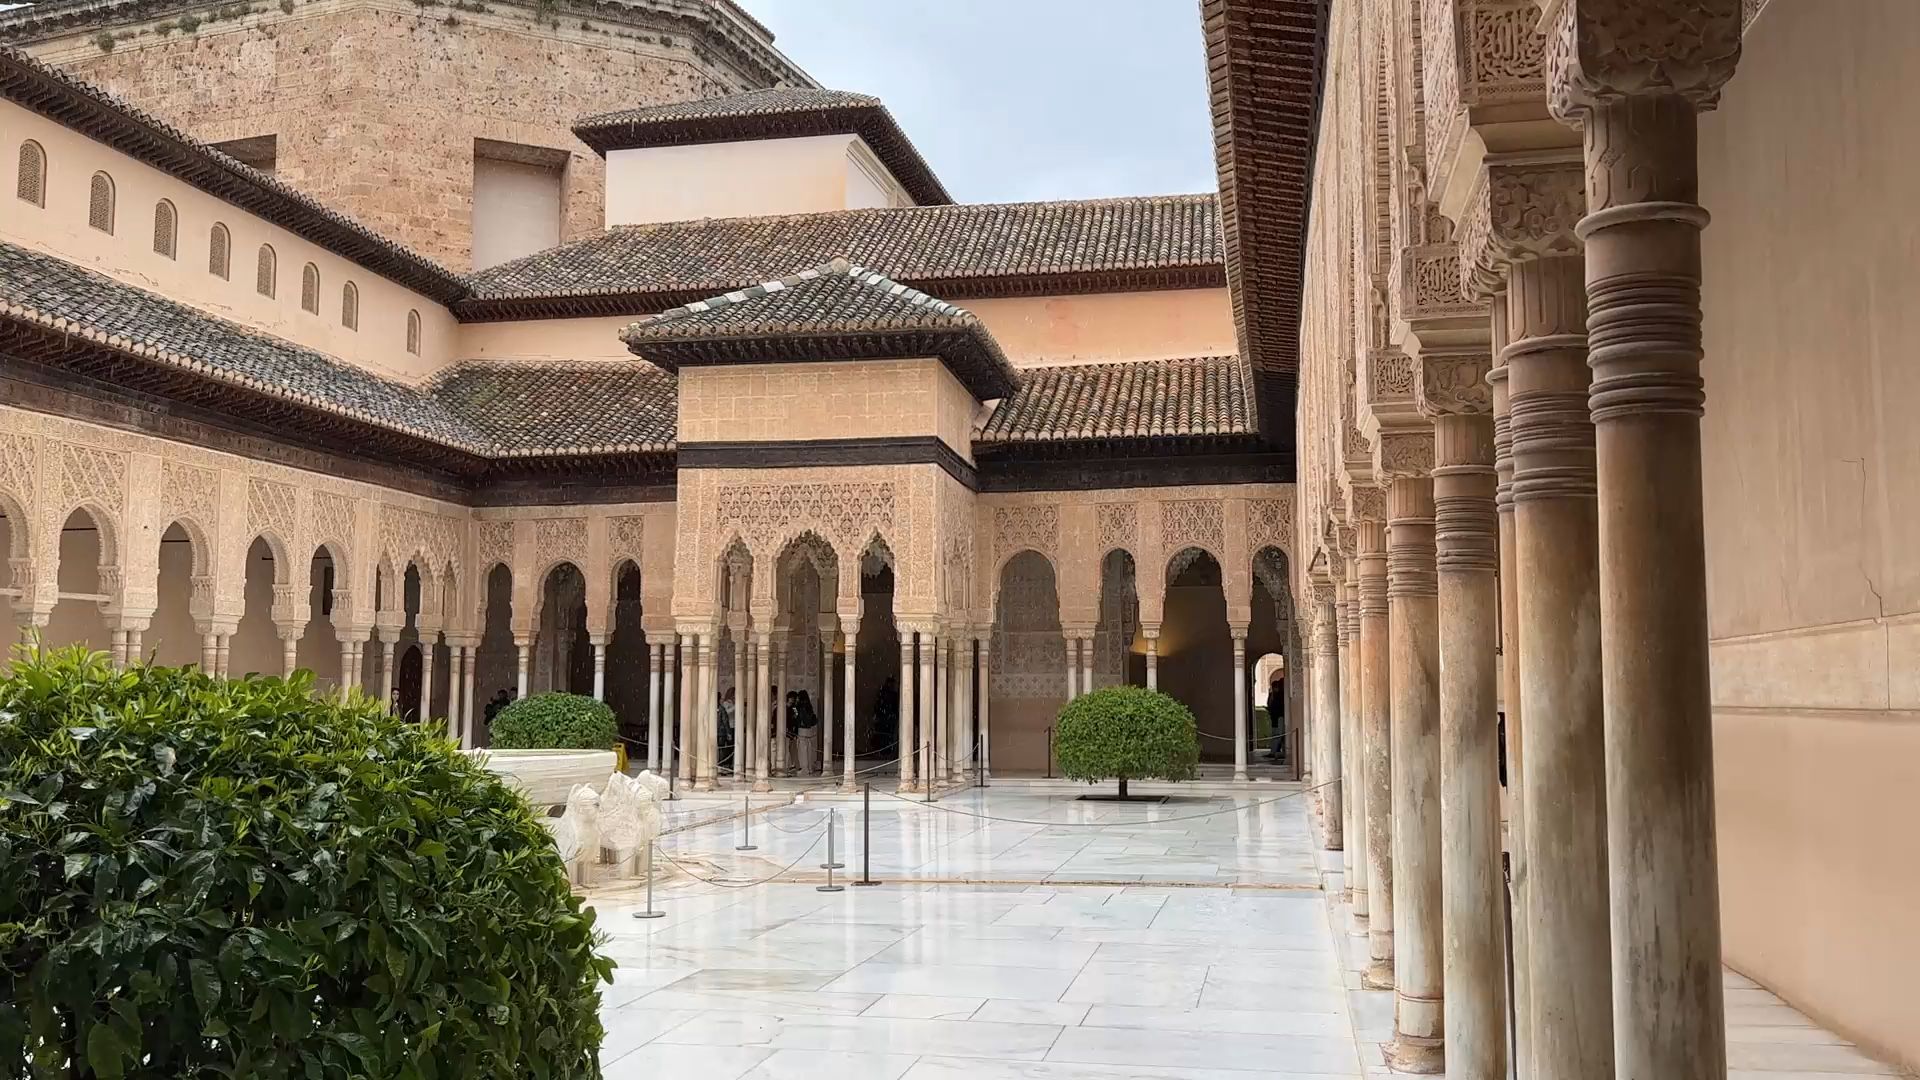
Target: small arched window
(100, 203)
(413, 332)
(166, 229)
(220, 253)
(33, 174)
(350, 306)
(266, 271)
(310, 289)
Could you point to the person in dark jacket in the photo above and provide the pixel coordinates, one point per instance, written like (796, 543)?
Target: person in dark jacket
(1277, 716)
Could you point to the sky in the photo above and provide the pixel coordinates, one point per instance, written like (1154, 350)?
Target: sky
(1022, 99)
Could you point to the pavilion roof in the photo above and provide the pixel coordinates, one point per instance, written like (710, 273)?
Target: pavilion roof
(834, 311)
(958, 252)
(1135, 400)
(544, 408)
(782, 112)
(91, 111)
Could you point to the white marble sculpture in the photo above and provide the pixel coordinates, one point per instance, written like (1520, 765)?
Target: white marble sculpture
(630, 814)
(578, 833)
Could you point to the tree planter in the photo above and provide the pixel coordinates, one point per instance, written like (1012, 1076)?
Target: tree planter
(546, 776)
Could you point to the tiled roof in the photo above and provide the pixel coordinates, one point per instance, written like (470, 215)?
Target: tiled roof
(100, 116)
(1197, 396)
(55, 294)
(570, 407)
(777, 113)
(834, 311)
(993, 249)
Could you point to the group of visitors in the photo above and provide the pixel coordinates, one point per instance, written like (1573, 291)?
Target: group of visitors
(797, 724)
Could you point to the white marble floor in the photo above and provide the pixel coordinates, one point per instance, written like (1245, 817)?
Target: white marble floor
(1205, 952)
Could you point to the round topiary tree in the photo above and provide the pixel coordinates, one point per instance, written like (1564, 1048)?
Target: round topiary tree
(1125, 733)
(554, 721)
(204, 877)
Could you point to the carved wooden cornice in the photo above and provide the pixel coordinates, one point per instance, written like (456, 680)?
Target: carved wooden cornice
(1521, 208)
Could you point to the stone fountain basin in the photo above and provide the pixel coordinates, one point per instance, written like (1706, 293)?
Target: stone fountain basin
(547, 776)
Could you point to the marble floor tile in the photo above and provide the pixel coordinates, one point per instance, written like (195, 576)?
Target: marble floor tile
(1206, 1050)
(657, 1060)
(870, 1034)
(829, 1065)
(1238, 1021)
(924, 1007)
(1164, 986)
(989, 952)
(965, 980)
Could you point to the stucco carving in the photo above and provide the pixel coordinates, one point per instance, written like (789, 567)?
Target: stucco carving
(1404, 454)
(405, 532)
(843, 513)
(332, 519)
(19, 460)
(272, 507)
(495, 543)
(1025, 527)
(1604, 50)
(1390, 375)
(1270, 524)
(1193, 523)
(624, 537)
(1520, 211)
(1118, 527)
(1455, 384)
(190, 493)
(91, 475)
(557, 540)
(1366, 503)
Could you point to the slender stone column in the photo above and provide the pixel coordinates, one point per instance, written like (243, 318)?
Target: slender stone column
(689, 695)
(774, 689)
(1073, 664)
(935, 752)
(427, 638)
(654, 656)
(598, 643)
(1412, 596)
(708, 720)
(964, 673)
(826, 701)
(1352, 752)
(1326, 715)
(389, 642)
(672, 700)
(469, 659)
(849, 756)
(1510, 592)
(118, 648)
(1636, 93)
(289, 648)
(1555, 538)
(1473, 896)
(1086, 661)
(929, 648)
(1153, 656)
(905, 735)
(521, 647)
(762, 722)
(1376, 722)
(983, 662)
(1239, 634)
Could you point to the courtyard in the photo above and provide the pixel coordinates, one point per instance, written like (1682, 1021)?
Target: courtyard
(1020, 932)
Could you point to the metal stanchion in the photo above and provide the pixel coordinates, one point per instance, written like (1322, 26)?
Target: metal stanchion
(746, 825)
(866, 836)
(650, 913)
(1049, 753)
(831, 864)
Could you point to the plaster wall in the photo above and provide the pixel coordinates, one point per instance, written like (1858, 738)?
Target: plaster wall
(546, 339)
(127, 255)
(516, 210)
(854, 399)
(1041, 330)
(1814, 594)
(740, 179)
(375, 104)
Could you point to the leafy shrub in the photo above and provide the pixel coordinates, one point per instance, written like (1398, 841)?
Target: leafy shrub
(203, 877)
(1125, 733)
(554, 722)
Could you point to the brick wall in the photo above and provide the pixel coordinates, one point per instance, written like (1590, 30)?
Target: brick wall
(376, 104)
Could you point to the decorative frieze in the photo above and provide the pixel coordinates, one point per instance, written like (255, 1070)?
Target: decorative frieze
(1018, 528)
(1193, 523)
(272, 507)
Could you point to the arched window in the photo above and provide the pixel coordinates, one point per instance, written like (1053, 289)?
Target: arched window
(265, 273)
(33, 174)
(166, 229)
(100, 203)
(413, 332)
(220, 252)
(310, 289)
(350, 306)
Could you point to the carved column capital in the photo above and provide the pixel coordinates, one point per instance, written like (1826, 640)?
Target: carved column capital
(1602, 51)
(1405, 453)
(1521, 208)
(1455, 384)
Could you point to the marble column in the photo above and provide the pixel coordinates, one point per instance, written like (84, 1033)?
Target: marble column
(689, 696)
(929, 648)
(1472, 887)
(1326, 715)
(1510, 703)
(905, 734)
(707, 719)
(774, 689)
(1636, 93)
(469, 656)
(826, 701)
(671, 707)
(209, 651)
(655, 654)
(1556, 538)
(983, 662)
(1073, 664)
(1239, 701)
(289, 648)
(521, 646)
(762, 721)
(1413, 665)
(849, 756)
(963, 707)
(745, 724)
(1352, 751)
(427, 639)
(347, 670)
(935, 752)
(598, 643)
(1376, 724)
(1086, 661)
(1153, 656)
(389, 642)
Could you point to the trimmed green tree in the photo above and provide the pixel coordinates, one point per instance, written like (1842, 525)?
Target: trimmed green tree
(1125, 733)
(204, 877)
(554, 721)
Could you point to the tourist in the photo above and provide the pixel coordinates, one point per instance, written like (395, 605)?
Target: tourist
(806, 728)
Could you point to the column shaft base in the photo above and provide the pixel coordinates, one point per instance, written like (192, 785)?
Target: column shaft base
(1378, 975)
(1414, 1054)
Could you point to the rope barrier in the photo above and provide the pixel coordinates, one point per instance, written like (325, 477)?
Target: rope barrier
(745, 884)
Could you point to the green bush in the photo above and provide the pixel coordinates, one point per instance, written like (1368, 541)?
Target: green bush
(554, 722)
(202, 877)
(1125, 733)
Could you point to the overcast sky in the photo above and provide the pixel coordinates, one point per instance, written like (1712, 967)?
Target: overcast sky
(1022, 99)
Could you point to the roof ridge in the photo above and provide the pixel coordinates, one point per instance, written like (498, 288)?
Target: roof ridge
(1169, 199)
(838, 266)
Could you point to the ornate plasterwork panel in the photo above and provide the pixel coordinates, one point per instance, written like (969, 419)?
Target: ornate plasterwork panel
(844, 514)
(405, 532)
(624, 539)
(1455, 384)
(1404, 454)
(332, 520)
(1520, 211)
(1029, 659)
(1118, 526)
(1020, 528)
(1270, 524)
(495, 543)
(1603, 50)
(90, 474)
(190, 493)
(1197, 523)
(19, 459)
(272, 507)
(557, 540)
